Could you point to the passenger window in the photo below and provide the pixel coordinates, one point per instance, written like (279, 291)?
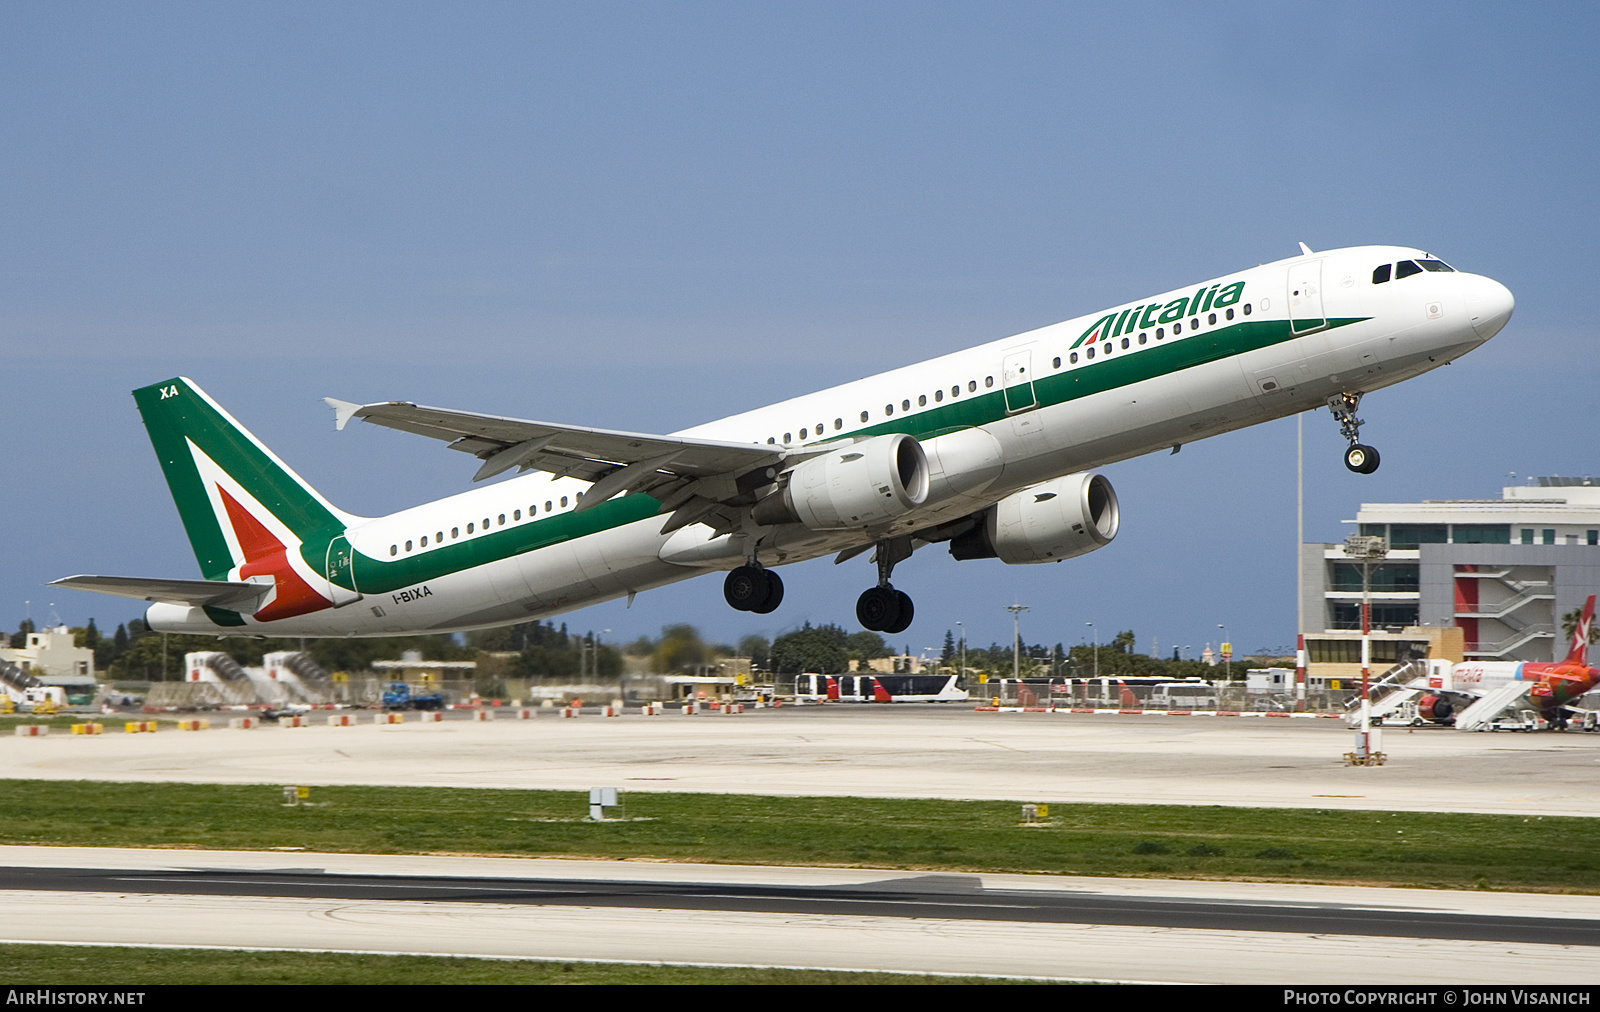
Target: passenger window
(905, 405)
(438, 537)
(938, 395)
(471, 528)
(1124, 342)
(955, 391)
(774, 439)
(922, 400)
(516, 514)
(1141, 338)
(1073, 358)
(888, 409)
(548, 506)
(455, 532)
(988, 381)
(1211, 320)
(838, 423)
(408, 546)
(802, 435)
(1161, 332)
(1107, 348)
(863, 416)
(1405, 268)
(972, 386)
(1194, 324)
(821, 427)
(1229, 314)
(1177, 328)
(394, 549)
(1246, 309)
(1056, 364)
(485, 523)
(1381, 274)
(1089, 352)
(424, 542)
(788, 437)
(563, 502)
(502, 520)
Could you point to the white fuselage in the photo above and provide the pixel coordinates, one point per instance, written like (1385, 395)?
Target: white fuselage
(1401, 329)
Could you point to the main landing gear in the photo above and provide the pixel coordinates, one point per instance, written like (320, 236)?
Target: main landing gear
(882, 608)
(1360, 458)
(751, 588)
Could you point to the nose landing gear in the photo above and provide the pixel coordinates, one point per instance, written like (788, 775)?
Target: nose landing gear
(1360, 458)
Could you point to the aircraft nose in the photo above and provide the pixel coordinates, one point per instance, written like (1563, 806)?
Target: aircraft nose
(1490, 306)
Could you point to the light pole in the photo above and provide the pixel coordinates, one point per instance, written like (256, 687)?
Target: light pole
(1227, 652)
(1366, 548)
(1016, 639)
(1096, 633)
(963, 652)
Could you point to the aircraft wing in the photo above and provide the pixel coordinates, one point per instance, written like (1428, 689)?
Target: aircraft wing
(194, 593)
(692, 477)
(1489, 705)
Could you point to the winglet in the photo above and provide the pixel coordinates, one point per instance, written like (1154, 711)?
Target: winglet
(343, 411)
(1305, 249)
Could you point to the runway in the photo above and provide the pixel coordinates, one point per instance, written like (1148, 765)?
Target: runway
(875, 751)
(1014, 925)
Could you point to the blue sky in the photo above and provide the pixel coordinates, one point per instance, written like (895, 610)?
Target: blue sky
(643, 216)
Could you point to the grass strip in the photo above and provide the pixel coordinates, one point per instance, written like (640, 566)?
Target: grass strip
(1445, 850)
(121, 966)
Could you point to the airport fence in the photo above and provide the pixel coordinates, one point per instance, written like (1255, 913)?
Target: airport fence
(1111, 693)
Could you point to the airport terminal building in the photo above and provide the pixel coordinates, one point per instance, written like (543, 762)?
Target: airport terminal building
(1503, 571)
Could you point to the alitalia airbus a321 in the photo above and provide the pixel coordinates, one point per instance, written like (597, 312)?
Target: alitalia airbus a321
(988, 451)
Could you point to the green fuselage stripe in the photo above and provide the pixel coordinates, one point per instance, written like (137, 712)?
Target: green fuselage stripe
(1119, 369)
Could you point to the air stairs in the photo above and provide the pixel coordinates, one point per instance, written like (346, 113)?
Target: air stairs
(14, 682)
(1393, 689)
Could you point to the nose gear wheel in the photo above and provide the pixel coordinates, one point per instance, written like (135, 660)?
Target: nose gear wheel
(1360, 458)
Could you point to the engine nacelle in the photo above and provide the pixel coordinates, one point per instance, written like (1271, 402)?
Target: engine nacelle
(856, 485)
(1437, 709)
(1051, 521)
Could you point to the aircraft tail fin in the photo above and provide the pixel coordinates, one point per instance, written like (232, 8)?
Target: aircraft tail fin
(239, 502)
(1579, 654)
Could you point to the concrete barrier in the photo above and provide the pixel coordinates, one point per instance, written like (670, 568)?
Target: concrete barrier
(388, 718)
(526, 713)
(32, 730)
(340, 720)
(140, 727)
(294, 720)
(483, 715)
(244, 723)
(88, 729)
(194, 725)
(430, 717)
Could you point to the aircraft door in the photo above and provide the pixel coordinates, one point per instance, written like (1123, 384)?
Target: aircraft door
(341, 573)
(1019, 381)
(1305, 297)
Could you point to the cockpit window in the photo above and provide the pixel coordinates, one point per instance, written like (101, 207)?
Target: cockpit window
(1381, 275)
(1405, 268)
(1436, 265)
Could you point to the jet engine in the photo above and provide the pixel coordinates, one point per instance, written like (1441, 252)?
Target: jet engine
(855, 485)
(1437, 709)
(1051, 521)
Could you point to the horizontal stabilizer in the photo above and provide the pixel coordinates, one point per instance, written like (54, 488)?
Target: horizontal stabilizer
(194, 593)
(1491, 704)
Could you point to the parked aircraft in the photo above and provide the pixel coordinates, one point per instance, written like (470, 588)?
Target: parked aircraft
(989, 451)
(1478, 691)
